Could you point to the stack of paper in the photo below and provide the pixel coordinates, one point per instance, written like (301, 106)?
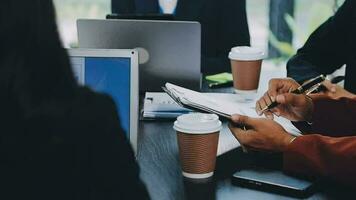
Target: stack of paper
(160, 105)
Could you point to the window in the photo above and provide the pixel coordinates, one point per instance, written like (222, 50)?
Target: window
(68, 11)
(308, 15)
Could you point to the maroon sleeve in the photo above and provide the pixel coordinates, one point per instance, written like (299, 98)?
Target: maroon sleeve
(328, 157)
(331, 117)
(334, 117)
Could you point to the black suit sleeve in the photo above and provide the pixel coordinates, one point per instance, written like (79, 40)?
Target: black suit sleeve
(232, 30)
(114, 169)
(327, 49)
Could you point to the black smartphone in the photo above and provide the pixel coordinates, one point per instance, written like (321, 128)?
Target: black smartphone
(274, 181)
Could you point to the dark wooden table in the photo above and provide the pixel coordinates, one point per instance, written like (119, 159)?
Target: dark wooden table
(161, 172)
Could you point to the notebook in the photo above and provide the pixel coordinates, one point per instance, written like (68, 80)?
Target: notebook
(158, 105)
(221, 106)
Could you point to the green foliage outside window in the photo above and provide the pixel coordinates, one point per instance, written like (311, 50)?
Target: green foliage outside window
(319, 12)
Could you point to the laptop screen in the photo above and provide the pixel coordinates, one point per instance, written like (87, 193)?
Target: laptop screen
(110, 76)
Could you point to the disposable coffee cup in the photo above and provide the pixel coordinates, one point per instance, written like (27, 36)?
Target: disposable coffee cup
(198, 137)
(246, 69)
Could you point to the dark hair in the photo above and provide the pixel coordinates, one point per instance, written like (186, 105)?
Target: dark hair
(34, 66)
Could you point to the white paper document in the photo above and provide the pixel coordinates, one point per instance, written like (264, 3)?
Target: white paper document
(224, 106)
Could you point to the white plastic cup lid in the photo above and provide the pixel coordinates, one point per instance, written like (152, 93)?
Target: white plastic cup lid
(246, 53)
(198, 123)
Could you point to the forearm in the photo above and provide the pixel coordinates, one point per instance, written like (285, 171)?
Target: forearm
(301, 70)
(331, 117)
(328, 47)
(316, 155)
(334, 117)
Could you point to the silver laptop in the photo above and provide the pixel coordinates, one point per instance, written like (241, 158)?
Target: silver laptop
(169, 51)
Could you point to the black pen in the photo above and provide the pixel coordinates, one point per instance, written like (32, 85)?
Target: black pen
(335, 80)
(300, 90)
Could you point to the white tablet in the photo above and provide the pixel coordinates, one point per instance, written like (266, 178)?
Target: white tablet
(114, 72)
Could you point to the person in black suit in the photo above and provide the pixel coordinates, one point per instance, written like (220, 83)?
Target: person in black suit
(330, 47)
(224, 25)
(58, 140)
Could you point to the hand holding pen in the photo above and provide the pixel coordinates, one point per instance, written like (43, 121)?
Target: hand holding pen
(283, 99)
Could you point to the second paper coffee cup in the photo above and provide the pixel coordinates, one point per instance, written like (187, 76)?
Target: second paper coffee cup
(198, 137)
(246, 68)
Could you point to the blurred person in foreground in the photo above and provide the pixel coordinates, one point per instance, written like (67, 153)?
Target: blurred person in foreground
(58, 140)
(327, 147)
(329, 47)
